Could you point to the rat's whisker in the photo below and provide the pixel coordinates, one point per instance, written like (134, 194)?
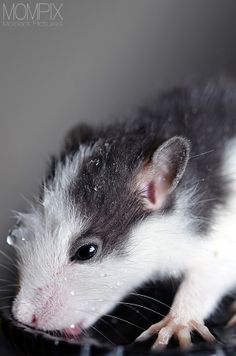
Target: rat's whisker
(136, 311)
(4, 280)
(57, 333)
(141, 306)
(151, 298)
(5, 307)
(7, 297)
(202, 154)
(125, 321)
(113, 328)
(85, 332)
(8, 257)
(131, 306)
(98, 331)
(10, 285)
(7, 268)
(207, 200)
(112, 316)
(105, 321)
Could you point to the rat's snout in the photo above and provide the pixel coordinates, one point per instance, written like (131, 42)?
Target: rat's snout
(34, 312)
(45, 310)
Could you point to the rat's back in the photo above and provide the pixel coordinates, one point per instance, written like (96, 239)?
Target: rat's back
(203, 114)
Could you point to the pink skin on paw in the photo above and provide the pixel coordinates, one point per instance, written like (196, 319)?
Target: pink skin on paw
(169, 327)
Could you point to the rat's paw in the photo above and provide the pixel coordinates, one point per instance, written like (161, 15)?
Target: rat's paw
(171, 326)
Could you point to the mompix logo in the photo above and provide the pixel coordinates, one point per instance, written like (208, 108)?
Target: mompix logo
(26, 14)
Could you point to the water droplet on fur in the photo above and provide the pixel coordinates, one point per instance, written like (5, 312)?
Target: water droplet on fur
(95, 188)
(72, 292)
(72, 326)
(97, 162)
(23, 239)
(11, 240)
(103, 275)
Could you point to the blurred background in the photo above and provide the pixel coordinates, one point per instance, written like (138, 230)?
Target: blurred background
(95, 62)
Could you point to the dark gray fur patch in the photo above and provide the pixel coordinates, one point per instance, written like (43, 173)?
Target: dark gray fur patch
(205, 115)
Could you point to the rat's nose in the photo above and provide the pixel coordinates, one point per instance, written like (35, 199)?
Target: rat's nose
(34, 320)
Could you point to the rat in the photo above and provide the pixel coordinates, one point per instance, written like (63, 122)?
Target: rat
(139, 200)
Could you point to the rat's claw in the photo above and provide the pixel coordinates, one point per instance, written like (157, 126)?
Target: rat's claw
(163, 338)
(169, 327)
(184, 338)
(203, 331)
(153, 330)
(182, 333)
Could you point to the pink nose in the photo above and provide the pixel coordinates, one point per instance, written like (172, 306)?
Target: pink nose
(34, 320)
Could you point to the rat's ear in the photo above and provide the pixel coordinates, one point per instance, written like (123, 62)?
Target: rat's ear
(163, 172)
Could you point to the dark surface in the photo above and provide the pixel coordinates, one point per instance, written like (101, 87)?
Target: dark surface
(19, 340)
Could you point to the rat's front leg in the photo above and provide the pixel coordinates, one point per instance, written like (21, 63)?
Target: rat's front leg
(195, 300)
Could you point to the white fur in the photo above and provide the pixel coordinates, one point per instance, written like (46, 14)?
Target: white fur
(60, 293)
(209, 263)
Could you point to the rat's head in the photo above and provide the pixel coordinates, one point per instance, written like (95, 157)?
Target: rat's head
(80, 248)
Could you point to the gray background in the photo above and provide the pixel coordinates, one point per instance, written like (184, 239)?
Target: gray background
(107, 57)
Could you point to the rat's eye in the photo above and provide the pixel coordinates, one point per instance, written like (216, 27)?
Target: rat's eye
(85, 252)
